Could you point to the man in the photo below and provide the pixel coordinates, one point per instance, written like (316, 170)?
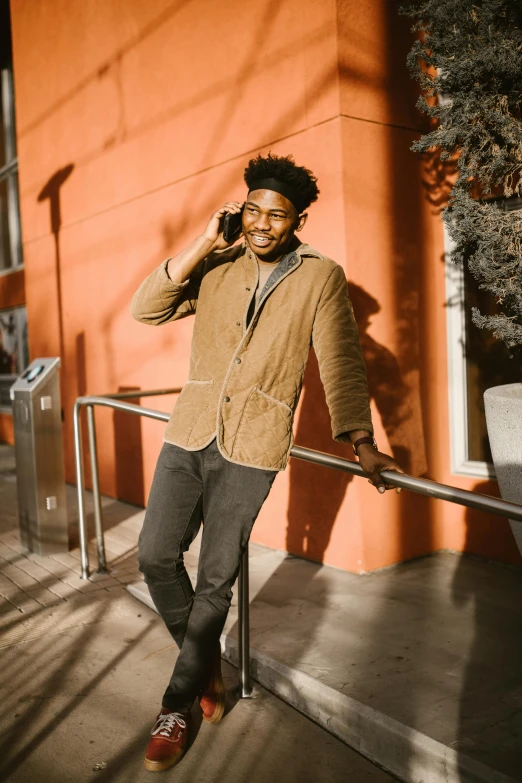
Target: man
(259, 307)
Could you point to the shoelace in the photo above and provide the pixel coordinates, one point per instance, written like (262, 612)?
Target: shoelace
(166, 723)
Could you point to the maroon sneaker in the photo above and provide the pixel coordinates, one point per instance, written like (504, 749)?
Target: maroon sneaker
(168, 741)
(212, 700)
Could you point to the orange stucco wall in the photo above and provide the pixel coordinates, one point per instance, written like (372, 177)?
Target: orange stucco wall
(135, 121)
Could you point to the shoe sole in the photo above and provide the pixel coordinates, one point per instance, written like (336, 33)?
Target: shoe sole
(218, 688)
(159, 766)
(217, 714)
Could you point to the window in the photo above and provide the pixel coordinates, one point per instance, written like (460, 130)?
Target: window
(477, 361)
(10, 243)
(14, 351)
(14, 356)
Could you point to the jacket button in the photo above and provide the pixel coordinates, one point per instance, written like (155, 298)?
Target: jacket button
(227, 399)
(238, 323)
(238, 360)
(247, 289)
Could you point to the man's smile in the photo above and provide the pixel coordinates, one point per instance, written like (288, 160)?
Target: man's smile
(260, 240)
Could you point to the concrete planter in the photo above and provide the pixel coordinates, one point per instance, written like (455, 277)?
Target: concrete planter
(504, 419)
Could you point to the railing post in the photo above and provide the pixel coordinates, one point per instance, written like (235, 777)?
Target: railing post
(244, 629)
(78, 461)
(98, 520)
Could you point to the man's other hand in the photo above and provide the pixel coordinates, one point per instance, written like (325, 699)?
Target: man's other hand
(373, 462)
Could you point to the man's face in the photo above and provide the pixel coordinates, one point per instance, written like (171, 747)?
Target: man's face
(269, 222)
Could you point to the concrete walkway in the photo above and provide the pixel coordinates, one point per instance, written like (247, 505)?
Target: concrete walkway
(79, 697)
(417, 666)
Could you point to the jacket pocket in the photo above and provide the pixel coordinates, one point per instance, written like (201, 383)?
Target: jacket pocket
(264, 434)
(190, 406)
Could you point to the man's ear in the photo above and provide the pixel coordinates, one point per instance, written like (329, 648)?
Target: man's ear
(302, 220)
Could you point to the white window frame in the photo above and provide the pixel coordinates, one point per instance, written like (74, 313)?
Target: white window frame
(461, 464)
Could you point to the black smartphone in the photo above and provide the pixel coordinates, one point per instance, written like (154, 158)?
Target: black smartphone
(232, 225)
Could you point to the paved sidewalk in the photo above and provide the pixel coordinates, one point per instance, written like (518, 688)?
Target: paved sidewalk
(81, 691)
(28, 581)
(83, 667)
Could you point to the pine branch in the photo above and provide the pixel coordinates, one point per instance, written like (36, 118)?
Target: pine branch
(468, 57)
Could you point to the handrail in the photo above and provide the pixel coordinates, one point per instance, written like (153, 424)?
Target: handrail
(107, 401)
(426, 487)
(433, 489)
(138, 393)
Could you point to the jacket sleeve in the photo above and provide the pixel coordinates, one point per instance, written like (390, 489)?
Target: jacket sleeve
(158, 300)
(335, 338)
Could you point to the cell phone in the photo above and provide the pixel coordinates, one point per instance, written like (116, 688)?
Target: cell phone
(232, 225)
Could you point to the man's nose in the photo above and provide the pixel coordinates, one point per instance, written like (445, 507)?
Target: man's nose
(262, 223)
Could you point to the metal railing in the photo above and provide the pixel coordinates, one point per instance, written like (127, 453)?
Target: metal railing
(107, 401)
(426, 487)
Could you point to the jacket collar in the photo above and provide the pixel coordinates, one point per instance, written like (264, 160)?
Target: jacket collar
(307, 250)
(288, 263)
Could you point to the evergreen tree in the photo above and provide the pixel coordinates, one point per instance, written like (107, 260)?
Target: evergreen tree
(468, 60)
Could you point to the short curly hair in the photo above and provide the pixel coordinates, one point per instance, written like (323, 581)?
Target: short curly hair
(300, 179)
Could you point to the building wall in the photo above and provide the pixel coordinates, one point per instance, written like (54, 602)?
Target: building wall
(135, 121)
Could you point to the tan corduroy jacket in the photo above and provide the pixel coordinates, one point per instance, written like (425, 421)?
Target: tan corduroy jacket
(246, 370)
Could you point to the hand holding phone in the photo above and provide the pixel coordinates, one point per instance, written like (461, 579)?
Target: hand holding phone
(232, 225)
(220, 224)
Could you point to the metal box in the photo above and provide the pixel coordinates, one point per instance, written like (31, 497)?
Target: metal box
(37, 418)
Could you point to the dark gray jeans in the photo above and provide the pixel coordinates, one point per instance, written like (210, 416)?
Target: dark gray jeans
(191, 488)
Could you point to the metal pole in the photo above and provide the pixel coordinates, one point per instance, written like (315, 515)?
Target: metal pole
(462, 497)
(80, 479)
(137, 394)
(78, 461)
(108, 402)
(98, 521)
(244, 629)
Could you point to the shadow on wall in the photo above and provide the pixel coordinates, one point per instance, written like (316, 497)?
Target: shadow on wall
(51, 192)
(438, 178)
(128, 440)
(127, 429)
(503, 546)
(316, 493)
